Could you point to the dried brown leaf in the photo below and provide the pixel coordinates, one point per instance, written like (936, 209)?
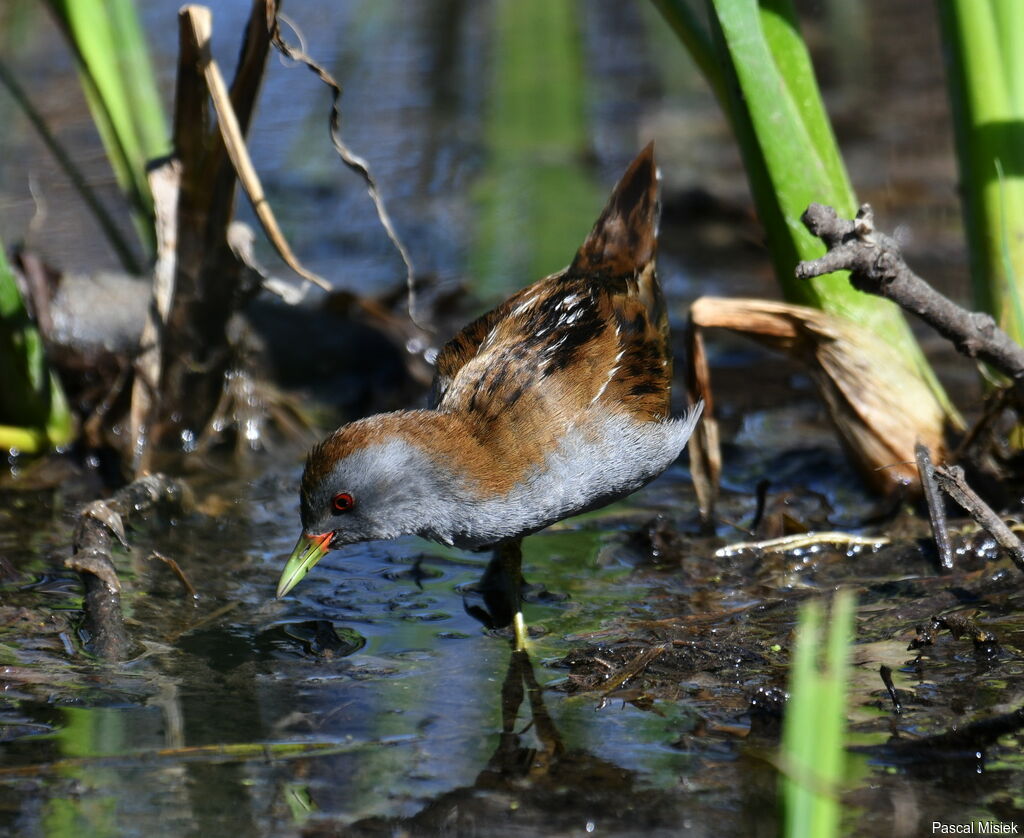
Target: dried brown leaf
(880, 406)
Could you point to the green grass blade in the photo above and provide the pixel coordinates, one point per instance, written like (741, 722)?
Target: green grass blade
(34, 414)
(798, 732)
(986, 77)
(813, 738)
(120, 88)
(782, 34)
(147, 107)
(766, 84)
(1007, 22)
(795, 166)
(830, 748)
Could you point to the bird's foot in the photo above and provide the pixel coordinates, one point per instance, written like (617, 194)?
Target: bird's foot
(519, 632)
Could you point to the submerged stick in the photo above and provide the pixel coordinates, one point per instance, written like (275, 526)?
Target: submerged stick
(952, 481)
(99, 523)
(886, 675)
(218, 754)
(632, 669)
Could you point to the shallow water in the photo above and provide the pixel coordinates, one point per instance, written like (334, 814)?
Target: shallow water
(369, 701)
(247, 714)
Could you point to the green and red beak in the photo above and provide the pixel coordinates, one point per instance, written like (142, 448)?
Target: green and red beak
(309, 549)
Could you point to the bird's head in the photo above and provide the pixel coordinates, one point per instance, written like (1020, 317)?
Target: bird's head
(367, 481)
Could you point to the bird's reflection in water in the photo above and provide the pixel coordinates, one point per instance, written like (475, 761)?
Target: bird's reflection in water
(511, 758)
(534, 782)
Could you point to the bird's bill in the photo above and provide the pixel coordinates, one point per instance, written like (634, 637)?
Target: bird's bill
(309, 549)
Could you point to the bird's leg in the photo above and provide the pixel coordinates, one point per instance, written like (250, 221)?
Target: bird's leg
(501, 591)
(509, 559)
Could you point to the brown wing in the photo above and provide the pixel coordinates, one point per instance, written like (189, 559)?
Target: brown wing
(618, 257)
(593, 334)
(463, 347)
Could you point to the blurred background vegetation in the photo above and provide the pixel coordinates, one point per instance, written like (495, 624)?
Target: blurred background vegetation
(490, 173)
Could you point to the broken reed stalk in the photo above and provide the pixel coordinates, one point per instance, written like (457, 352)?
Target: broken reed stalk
(98, 524)
(205, 269)
(936, 506)
(202, 278)
(951, 480)
(876, 266)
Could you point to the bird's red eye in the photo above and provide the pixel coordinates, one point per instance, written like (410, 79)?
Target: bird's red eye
(343, 502)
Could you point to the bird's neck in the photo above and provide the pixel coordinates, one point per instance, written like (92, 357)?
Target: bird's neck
(475, 454)
(454, 476)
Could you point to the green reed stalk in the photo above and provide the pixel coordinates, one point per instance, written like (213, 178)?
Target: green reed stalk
(120, 87)
(984, 40)
(757, 64)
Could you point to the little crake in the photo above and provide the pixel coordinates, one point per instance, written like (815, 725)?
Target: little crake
(554, 403)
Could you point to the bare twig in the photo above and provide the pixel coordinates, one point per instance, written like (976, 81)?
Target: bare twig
(352, 160)
(182, 576)
(951, 480)
(98, 523)
(632, 669)
(876, 266)
(936, 505)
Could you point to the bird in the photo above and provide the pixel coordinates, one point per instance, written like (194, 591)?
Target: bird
(554, 403)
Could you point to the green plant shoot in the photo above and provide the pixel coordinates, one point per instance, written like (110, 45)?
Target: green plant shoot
(34, 414)
(985, 44)
(813, 737)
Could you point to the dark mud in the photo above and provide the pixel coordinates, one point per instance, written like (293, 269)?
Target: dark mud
(372, 703)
